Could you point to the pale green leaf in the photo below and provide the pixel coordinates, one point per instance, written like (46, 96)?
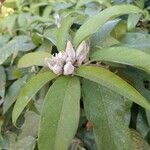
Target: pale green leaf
(112, 82)
(29, 90)
(80, 3)
(124, 55)
(27, 128)
(98, 38)
(10, 3)
(27, 143)
(4, 39)
(2, 81)
(9, 23)
(94, 23)
(12, 93)
(137, 40)
(19, 43)
(132, 21)
(138, 142)
(142, 125)
(60, 114)
(62, 34)
(106, 111)
(34, 58)
(22, 19)
(51, 35)
(119, 30)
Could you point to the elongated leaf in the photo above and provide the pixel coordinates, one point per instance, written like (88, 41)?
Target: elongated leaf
(112, 82)
(132, 21)
(27, 128)
(9, 23)
(62, 35)
(10, 3)
(102, 107)
(4, 39)
(29, 90)
(2, 82)
(100, 36)
(124, 55)
(60, 114)
(137, 40)
(26, 143)
(31, 59)
(138, 142)
(93, 24)
(12, 93)
(83, 2)
(51, 35)
(19, 43)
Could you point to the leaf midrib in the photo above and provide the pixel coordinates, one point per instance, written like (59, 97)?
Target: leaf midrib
(61, 112)
(107, 115)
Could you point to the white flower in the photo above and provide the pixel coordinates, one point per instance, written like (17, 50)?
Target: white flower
(68, 68)
(57, 69)
(50, 63)
(65, 62)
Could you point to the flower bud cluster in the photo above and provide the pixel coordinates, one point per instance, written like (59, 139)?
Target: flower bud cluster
(65, 62)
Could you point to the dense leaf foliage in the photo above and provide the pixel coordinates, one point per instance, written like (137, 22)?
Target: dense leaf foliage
(74, 75)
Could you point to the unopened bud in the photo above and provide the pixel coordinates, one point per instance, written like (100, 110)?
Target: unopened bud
(70, 51)
(68, 68)
(57, 69)
(49, 62)
(81, 53)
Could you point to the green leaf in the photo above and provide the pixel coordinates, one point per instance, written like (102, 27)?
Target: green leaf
(112, 82)
(27, 128)
(47, 11)
(137, 40)
(36, 58)
(80, 3)
(132, 21)
(19, 43)
(2, 82)
(124, 55)
(120, 30)
(142, 125)
(100, 36)
(9, 24)
(94, 23)
(60, 114)
(106, 111)
(12, 93)
(4, 39)
(62, 34)
(10, 3)
(27, 143)
(51, 35)
(138, 142)
(28, 91)
(22, 19)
